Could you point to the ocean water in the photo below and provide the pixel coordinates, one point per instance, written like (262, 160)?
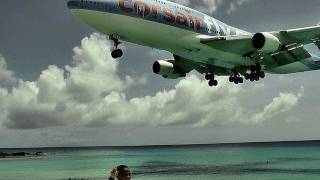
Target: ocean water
(280, 161)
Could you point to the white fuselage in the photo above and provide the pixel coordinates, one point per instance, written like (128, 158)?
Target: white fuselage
(174, 29)
(168, 26)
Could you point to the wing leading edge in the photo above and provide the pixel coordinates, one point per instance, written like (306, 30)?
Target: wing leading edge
(281, 47)
(301, 35)
(243, 44)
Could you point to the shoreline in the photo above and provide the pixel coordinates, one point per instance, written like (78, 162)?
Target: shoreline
(227, 144)
(4, 155)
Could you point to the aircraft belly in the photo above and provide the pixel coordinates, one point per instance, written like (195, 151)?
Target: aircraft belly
(157, 35)
(135, 30)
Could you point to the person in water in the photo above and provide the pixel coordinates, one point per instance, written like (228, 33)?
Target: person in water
(122, 172)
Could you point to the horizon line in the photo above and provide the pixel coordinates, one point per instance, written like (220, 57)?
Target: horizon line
(235, 144)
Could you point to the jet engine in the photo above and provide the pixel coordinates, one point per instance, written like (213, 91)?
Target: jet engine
(266, 42)
(167, 69)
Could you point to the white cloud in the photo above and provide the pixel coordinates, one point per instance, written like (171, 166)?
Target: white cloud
(7, 78)
(62, 96)
(279, 105)
(206, 6)
(211, 6)
(234, 5)
(91, 94)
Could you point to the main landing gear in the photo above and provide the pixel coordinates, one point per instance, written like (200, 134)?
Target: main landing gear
(236, 79)
(116, 52)
(255, 74)
(211, 79)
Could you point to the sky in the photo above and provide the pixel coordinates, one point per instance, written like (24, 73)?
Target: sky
(60, 87)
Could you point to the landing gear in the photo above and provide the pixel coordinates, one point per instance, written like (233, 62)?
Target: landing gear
(116, 52)
(210, 78)
(262, 75)
(236, 79)
(213, 83)
(256, 73)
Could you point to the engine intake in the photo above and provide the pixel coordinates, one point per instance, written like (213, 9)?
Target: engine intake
(266, 42)
(167, 69)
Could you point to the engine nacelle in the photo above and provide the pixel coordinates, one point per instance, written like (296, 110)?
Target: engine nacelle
(167, 69)
(266, 42)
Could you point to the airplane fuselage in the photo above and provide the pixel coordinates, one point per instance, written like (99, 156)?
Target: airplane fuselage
(175, 28)
(159, 24)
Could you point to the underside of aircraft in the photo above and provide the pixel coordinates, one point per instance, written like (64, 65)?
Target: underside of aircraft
(199, 42)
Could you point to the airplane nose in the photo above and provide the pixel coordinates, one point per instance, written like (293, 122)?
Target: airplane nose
(72, 4)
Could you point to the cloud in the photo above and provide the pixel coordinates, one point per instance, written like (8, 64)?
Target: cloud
(234, 5)
(7, 78)
(279, 105)
(62, 96)
(211, 6)
(206, 6)
(90, 93)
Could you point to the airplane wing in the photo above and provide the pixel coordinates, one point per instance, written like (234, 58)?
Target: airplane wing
(243, 44)
(282, 47)
(301, 35)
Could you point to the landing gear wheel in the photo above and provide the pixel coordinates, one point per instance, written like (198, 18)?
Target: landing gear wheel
(209, 76)
(252, 77)
(256, 77)
(213, 83)
(256, 73)
(231, 79)
(211, 79)
(240, 80)
(117, 53)
(262, 74)
(247, 76)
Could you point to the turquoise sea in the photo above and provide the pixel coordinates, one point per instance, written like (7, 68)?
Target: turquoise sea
(281, 161)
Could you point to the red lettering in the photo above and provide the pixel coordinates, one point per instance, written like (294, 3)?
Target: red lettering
(154, 10)
(141, 8)
(168, 15)
(198, 23)
(182, 19)
(122, 5)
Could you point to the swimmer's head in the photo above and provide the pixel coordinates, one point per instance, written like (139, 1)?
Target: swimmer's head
(123, 173)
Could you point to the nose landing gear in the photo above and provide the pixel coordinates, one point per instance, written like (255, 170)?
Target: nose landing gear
(116, 52)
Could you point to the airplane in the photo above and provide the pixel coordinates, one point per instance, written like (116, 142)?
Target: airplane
(199, 42)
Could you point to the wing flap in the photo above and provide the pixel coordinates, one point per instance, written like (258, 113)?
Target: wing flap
(284, 57)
